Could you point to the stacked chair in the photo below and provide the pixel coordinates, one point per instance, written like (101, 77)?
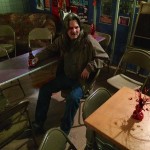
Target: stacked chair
(14, 121)
(7, 41)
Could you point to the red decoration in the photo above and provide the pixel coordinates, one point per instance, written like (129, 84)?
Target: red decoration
(94, 2)
(142, 100)
(92, 29)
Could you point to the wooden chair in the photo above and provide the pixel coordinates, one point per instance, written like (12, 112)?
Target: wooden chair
(56, 139)
(137, 58)
(14, 120)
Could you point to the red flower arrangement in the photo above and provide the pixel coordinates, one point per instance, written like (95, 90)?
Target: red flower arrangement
(142, 100)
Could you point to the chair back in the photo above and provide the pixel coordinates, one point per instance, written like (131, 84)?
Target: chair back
(136, 57)
(13, 122)
(6, 30)
(8, 43)
(39, 34)
(56, 139)
(95, 100)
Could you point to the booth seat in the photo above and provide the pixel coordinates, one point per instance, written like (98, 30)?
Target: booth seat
(24, 23)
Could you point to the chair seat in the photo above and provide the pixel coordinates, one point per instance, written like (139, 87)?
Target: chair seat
(121, 80)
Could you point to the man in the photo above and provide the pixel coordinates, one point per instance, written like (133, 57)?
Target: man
(81, 55)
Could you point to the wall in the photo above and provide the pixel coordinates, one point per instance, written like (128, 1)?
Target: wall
(7, 6)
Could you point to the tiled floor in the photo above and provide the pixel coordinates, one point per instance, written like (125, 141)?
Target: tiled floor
(77, 134)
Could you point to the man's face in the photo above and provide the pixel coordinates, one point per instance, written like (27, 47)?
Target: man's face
(73, 30)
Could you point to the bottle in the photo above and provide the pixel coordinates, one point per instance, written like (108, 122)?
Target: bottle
(31, 57)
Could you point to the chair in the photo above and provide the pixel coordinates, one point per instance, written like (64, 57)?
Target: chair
(14, 120)
(3, 101)
(105, 44)
(7, 40)
(90, 87)
(39, 37)
(56, 139)
(95, 100)
(136, 58)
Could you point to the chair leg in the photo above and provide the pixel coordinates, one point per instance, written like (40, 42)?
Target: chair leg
(79, 116)
(80, 111)
(21, 88)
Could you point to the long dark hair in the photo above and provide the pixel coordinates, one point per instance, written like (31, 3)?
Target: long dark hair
(70, 17)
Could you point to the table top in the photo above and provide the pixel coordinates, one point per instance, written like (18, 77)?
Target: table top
(17, 67)
(113, 121)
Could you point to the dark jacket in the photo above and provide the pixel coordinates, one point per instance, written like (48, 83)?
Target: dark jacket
(84, 52)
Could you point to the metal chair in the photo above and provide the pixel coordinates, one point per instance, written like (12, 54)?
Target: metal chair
(8, 40)
(14, 120)
(37, 35)
(105, 44)
(138, 58)
(56, 139)
(90, 87)
(95, 100)
(3, 101)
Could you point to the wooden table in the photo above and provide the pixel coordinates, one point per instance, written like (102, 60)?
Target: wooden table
(113, 122)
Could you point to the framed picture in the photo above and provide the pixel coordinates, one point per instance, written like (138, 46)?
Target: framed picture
(47, 4)
(106, 11)
(40, 4)
(124, 20)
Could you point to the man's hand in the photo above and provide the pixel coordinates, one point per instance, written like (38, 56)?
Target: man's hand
(35, 60)
(85, 74)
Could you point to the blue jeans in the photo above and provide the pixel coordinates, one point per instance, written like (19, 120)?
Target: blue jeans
(61, 82)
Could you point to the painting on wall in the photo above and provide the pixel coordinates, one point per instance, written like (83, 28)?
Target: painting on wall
(47, 4)
(106, 11)
(124, 20)
(40, 4)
